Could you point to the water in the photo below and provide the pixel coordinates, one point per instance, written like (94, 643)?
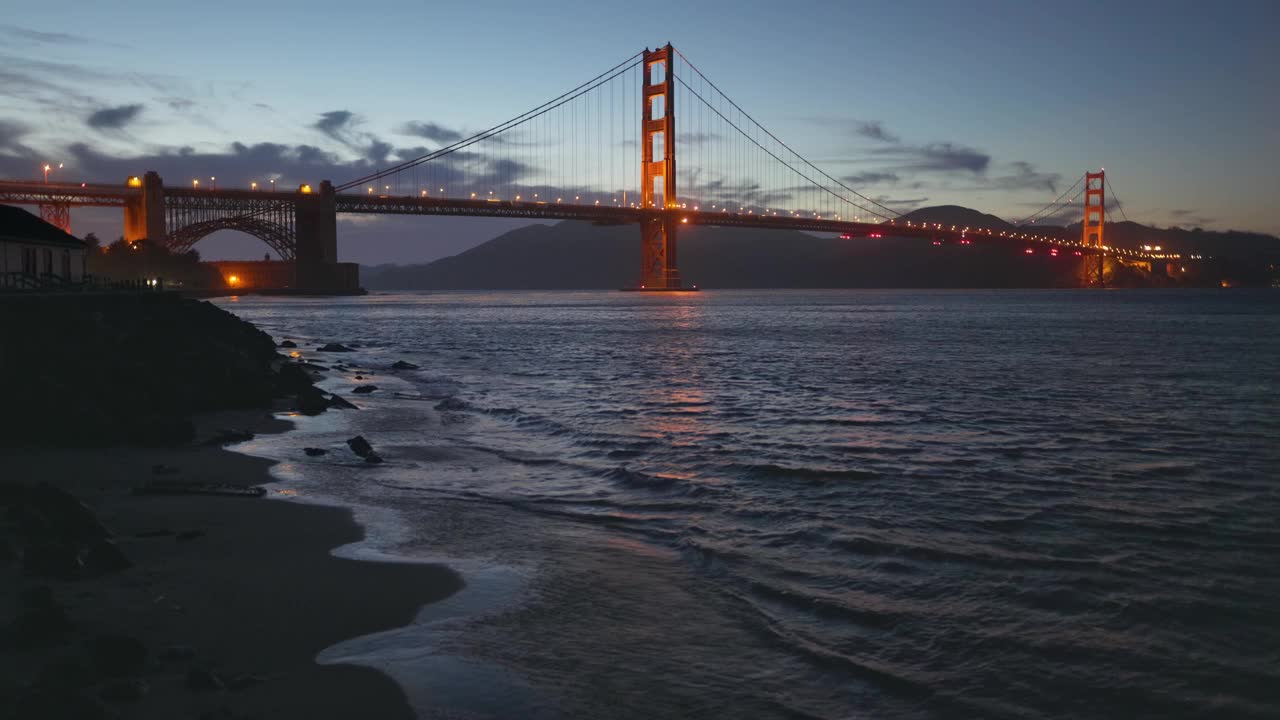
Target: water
(816, 504)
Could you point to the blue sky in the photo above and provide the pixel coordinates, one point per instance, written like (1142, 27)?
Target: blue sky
(1177, 100)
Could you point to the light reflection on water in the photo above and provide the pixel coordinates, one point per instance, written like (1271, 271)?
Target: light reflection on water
(817, 504)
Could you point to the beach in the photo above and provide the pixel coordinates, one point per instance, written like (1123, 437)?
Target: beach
(225, 605)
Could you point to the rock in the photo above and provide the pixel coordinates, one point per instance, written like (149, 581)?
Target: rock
(61, 512)
(312, 402)
(315, 452)
(118, 655)
(292, 378)
(402, 365)
(364, 389)
(69, 672)
(373, 458)
(452, 403)
(227, 436)
(177, 653)
(288, 344)
(204, 681)
(360, 446)
(39, 625)
(52, 558)
(104, 556)
(190, 535)
(334, 347)
(125, 690)
(339, 403)
(359, 377)
(60, 705)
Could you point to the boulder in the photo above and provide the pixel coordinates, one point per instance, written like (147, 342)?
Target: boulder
(52, 558)
(228, 436)
(292, 378)
(338, 403)
(402, 365)
(364, 389)
(117, 655)
(373, 458)
(125, 690)
(311, 401)
(360, 446)
(288, 344)
(334, 347)
(314, 452)
(104, 556)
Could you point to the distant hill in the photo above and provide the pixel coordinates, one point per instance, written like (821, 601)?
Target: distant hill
(949, 215)
(579, 255)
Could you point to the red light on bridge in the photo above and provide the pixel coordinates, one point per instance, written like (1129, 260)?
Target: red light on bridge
(1079, 254)
(846, 236)
(875, 235)
(1029, 251)
(937, 242)
(966, 242)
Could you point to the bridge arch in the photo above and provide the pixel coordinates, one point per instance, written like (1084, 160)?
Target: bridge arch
(278, 237)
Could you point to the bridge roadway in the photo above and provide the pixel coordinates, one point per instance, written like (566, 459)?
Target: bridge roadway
(254, 201)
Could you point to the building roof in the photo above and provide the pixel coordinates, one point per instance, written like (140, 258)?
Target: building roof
(19, 225)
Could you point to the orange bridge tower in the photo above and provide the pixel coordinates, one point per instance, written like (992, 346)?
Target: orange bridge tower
(1095, 204)
(659, 269)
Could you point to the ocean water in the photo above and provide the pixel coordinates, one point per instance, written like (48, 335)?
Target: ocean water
(799, 504)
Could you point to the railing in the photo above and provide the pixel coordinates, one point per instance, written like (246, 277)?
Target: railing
(24, 282)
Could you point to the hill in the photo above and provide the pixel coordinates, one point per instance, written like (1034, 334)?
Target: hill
(579, 255)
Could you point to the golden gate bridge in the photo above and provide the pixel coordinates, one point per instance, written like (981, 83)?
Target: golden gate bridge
(604, 152)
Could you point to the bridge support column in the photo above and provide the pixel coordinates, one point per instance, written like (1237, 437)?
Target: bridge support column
(658, 260)
(316, 228)
(144, 214)
(1095, 205)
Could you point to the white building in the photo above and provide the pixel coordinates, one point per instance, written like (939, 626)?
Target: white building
(35, 254)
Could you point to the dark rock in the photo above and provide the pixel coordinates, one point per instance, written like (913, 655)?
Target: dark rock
(359, 377)
(402, 365)
(339, 403)
(373, 458)
(104, 556)
(364, 389)
(312, 402)
(177, 653)
(55, 510)
(190, 535)
(39, 625)
(117, 655)
(69, 672)
(227, 436)
(52, 558)
(452, 403)
(125, 690)
(288, 344)
(60, 705)
(315, 452)
(204, 681)
(360, 446)
(292, 379)
(334, 347)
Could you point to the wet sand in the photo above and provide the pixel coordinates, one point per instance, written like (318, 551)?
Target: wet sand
(255, 594)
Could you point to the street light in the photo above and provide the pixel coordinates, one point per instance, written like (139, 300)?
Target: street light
(273, 184)
(195, 183)
(47, 169)
(253, 186)
(214, 182)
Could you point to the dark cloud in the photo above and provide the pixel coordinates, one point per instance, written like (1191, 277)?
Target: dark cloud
(431, 131)
(11, 132)
(337, 124)
(1026, 177)
(1190, 217)
(874, 130)
(936, 157)
(113, 118)
(179, 104)
(40, 36)
(870, 177)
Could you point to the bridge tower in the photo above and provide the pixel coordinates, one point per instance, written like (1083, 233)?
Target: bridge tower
(316, 227)
(1094, 220)
(659, 269)
(144, 213)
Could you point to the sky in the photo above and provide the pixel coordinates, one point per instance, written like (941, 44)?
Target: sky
(992, 105)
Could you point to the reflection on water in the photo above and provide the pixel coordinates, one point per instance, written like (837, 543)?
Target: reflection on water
(825, 504)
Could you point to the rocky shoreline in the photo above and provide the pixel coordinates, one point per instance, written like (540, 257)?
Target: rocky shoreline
(142, 577)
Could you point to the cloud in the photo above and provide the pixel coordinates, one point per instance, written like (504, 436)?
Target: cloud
(113, 118)
(1026, 177)
(874, 130)
(337, 124)
(178, 104)
(39, 36)
(11, 132)
(696, 138)
(936, 157)
(871, 177)
(431, 131)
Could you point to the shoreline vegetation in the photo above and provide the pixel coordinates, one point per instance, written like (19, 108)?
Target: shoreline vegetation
(145, 605)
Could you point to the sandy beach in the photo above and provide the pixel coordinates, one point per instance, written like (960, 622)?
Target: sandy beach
(240, 590)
